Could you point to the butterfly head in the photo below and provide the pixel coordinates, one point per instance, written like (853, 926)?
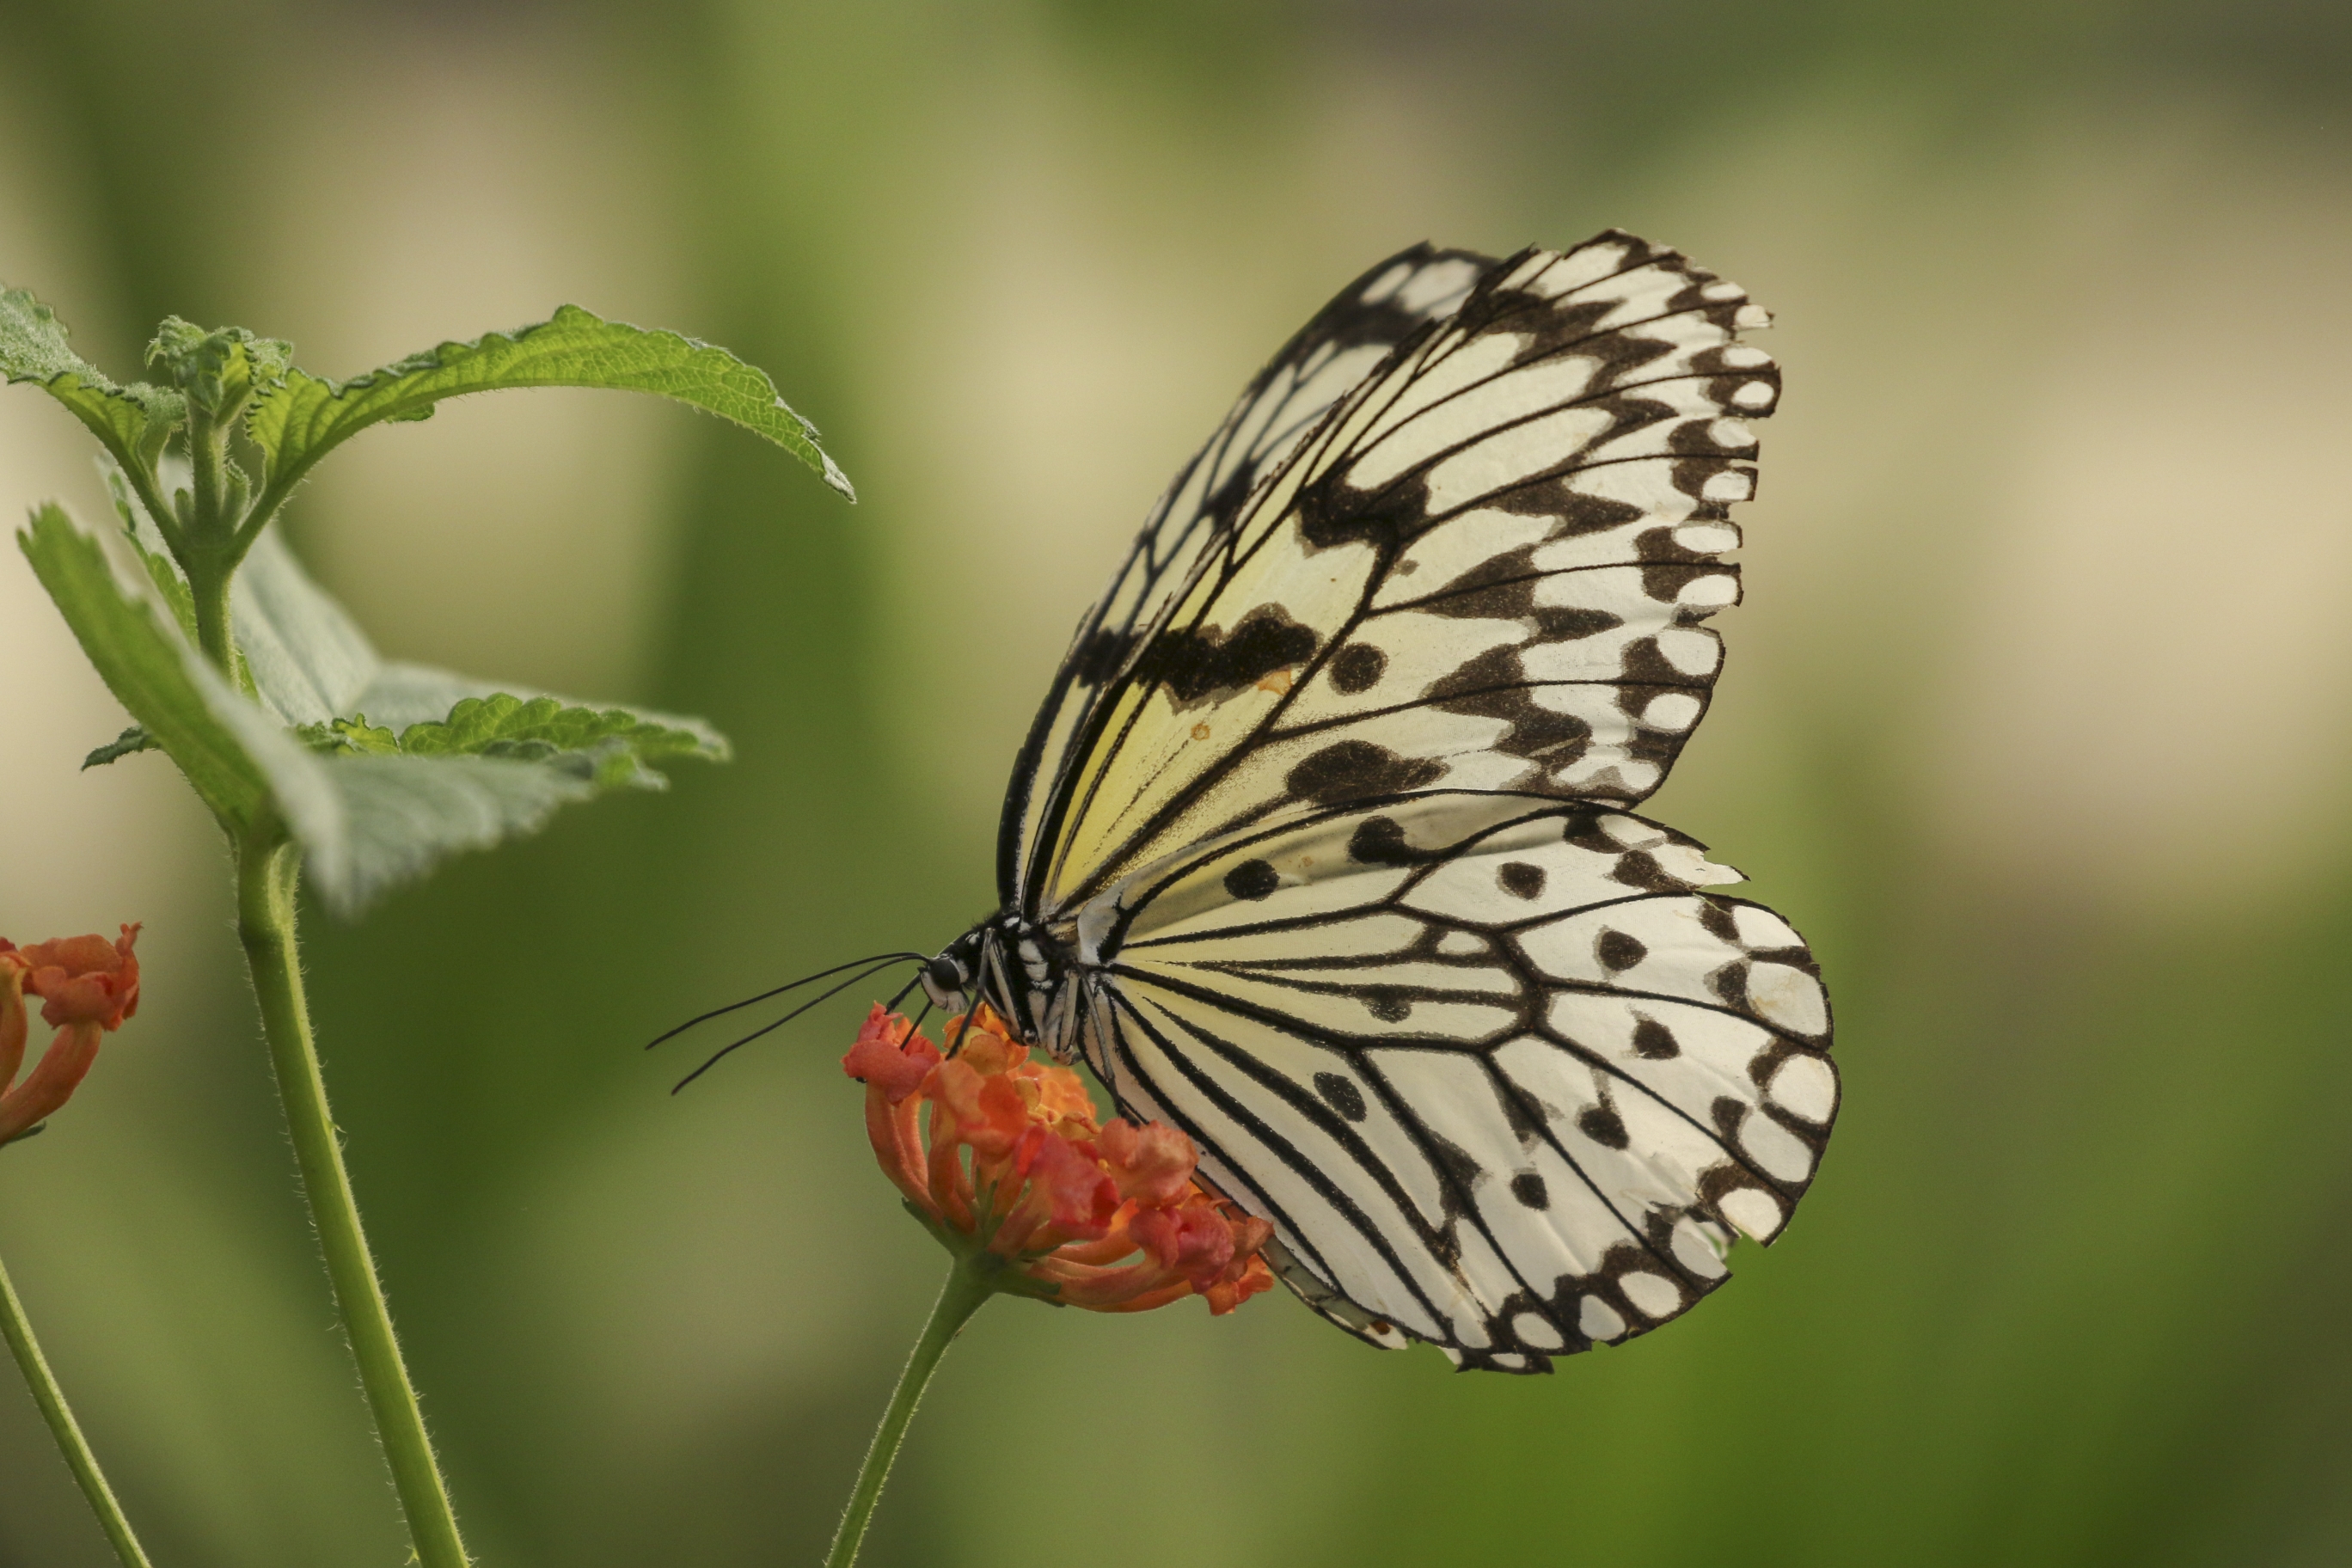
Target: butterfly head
(1012, 965)
(948, 978)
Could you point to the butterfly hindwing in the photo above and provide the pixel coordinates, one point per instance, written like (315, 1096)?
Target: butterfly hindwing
(1504, 1078)
(1328, 358)
(1487, 569)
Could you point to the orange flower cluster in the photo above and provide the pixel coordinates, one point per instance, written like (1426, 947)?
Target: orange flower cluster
(1014, 1166)
(88, 985)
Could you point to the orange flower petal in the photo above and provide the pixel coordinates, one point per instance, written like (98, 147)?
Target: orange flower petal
(49, 1085)
(1083, 1199)
(890, 1055)
(1153, 1163)
(1238, 1285)
(1193, 1241)
(83, 979)
(14, 1027)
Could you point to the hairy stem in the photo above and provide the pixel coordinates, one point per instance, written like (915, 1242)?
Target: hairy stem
(214, 632)
(206, 550)
(970, 1283)
(267, 870)
(206, 526)
(18, 1330)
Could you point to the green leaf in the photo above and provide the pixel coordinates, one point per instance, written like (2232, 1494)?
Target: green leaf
(147, 663)
(352, 735)
(609, 747)
(135, 739)
(368, 817)
(132, 421)
(305, 417)
(503, 724)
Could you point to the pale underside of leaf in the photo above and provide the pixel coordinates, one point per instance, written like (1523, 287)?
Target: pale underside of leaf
(312, 666)
(146, 662)
(365, 822)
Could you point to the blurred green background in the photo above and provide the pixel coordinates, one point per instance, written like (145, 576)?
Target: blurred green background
(2035, 723)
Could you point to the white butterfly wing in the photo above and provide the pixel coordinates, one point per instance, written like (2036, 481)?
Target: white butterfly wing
(1487, 569)
(1501, 1075)
(1328, 358)
(1329, 796)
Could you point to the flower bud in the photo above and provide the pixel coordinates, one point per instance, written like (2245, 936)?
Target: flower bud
(87, 986)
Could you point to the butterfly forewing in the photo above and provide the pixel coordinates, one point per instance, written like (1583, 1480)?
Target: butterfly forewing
(1329, 357)
(1488, 569)
(1502, 1076)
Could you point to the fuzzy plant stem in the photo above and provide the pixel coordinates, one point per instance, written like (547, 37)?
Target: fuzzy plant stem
(971, 1283)
(18, 1330)
(268, 867)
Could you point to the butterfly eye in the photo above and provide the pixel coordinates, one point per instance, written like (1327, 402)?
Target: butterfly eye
(943, 982)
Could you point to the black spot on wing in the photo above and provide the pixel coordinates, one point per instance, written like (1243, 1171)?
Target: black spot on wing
(1655, 1041)
(1330, 514)
(1357, 667)
(1528, 1188)
(1380, 841)
(1195, 662)
(1459, 1166)
(1253, 880)
(1521, 878)
(1341, 1095)
(1603, 1126)
(1359, 769)
(1639, 869)
(1525, 1122)
(1617, 950)
(1580, 826)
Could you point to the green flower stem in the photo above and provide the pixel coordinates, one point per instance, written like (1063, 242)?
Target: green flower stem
(18, 1330)
(267, 868)
(970, 1283)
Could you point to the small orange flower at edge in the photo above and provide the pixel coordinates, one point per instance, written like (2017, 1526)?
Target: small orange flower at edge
(1012, 1162)
(88, 985)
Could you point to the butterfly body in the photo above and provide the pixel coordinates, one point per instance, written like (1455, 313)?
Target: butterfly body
(1321, 846)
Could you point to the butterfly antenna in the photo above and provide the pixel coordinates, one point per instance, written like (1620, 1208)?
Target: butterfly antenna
(777, 991)
(770, 1028)
(892, 1005)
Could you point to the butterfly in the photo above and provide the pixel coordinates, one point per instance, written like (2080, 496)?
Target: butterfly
(1322, 845)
